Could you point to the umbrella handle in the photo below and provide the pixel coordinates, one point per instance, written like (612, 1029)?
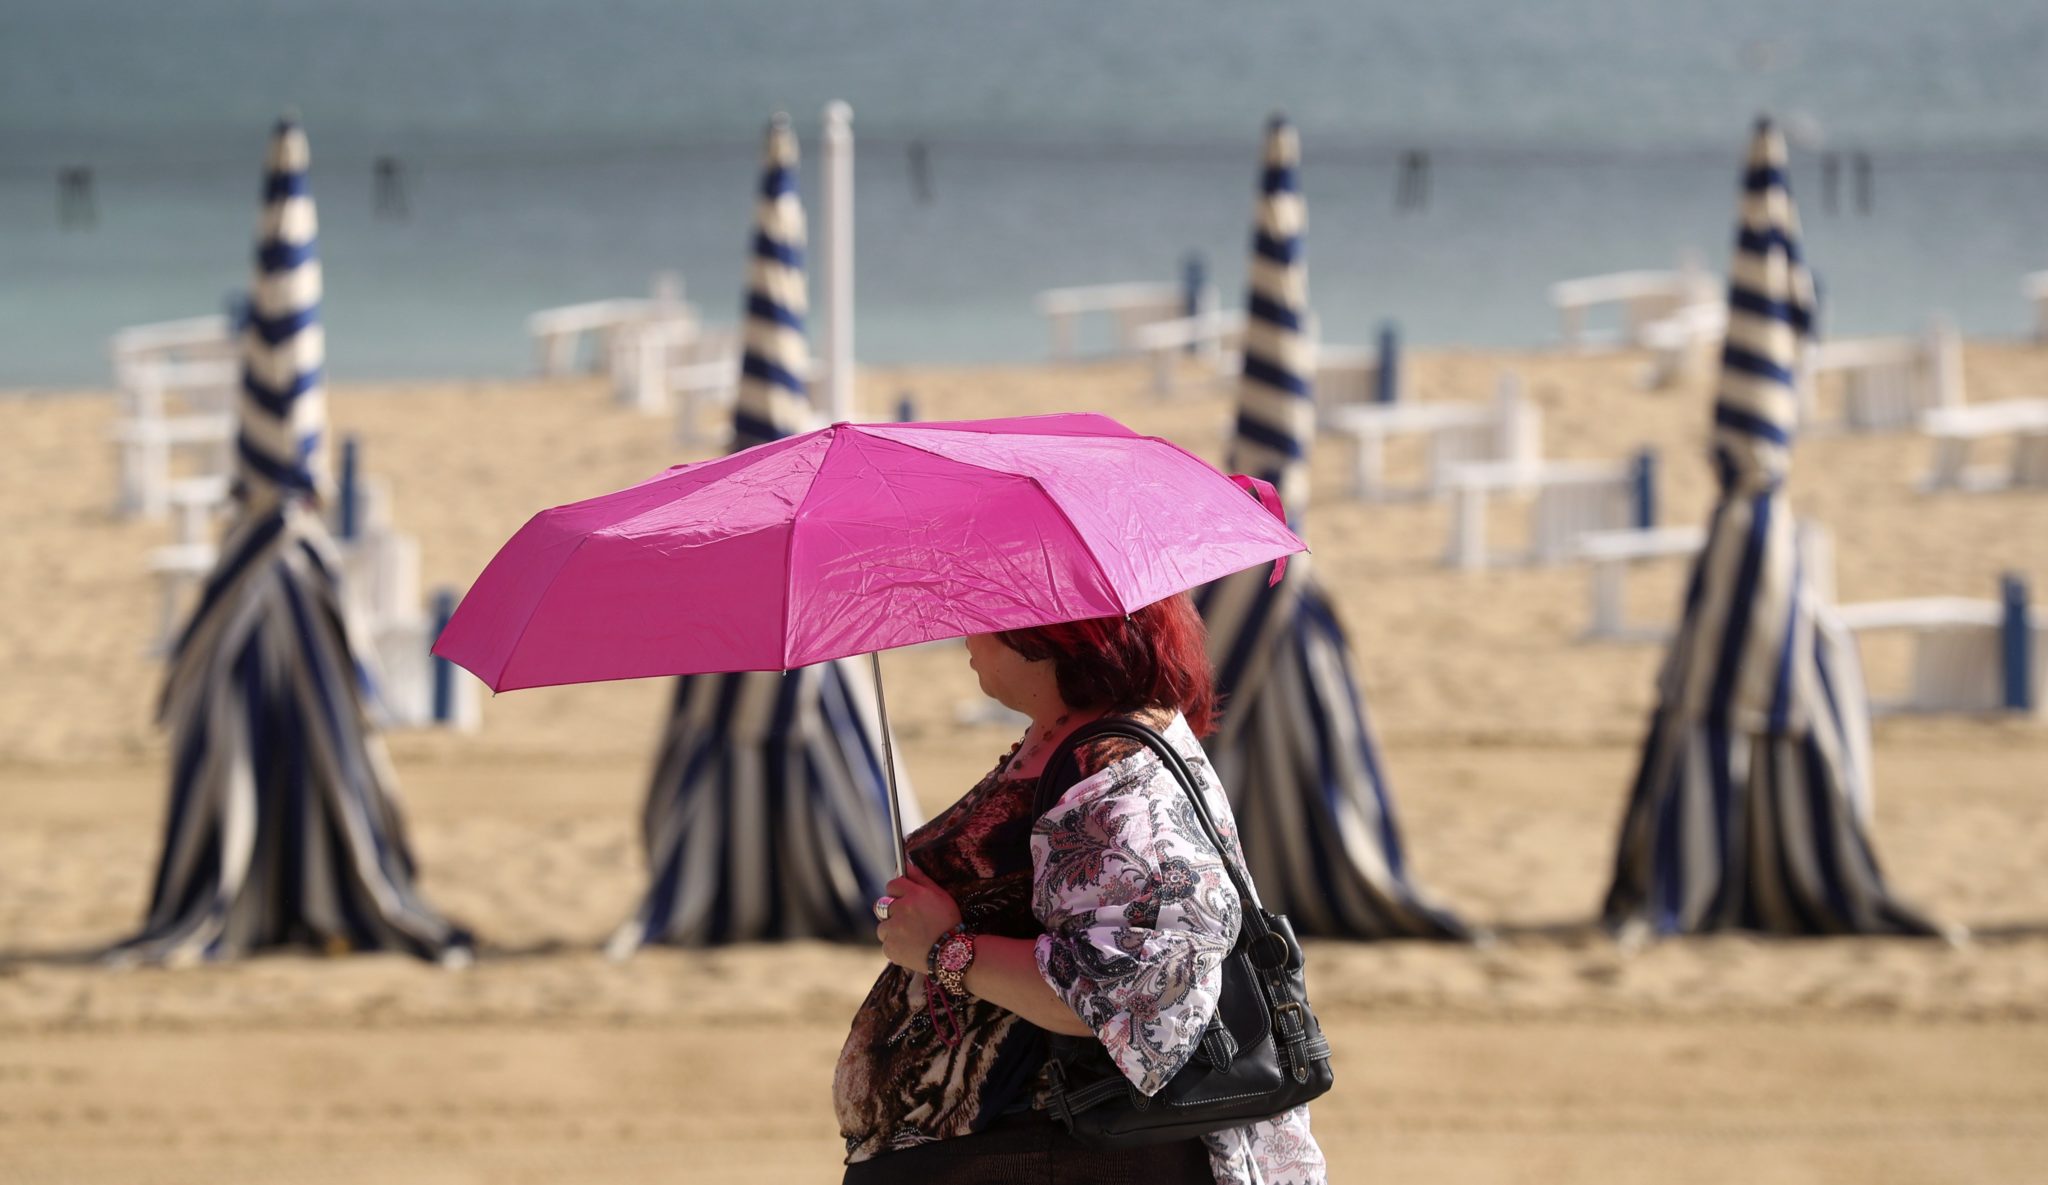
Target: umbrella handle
(889, 770)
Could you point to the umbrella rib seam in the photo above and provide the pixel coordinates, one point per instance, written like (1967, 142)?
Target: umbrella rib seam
(789, 547)
(534, 612)
(1080, 538)
(1100, 572)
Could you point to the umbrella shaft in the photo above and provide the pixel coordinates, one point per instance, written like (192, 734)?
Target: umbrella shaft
(889, 769)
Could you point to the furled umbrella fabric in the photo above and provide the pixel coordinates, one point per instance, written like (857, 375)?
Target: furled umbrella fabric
(1314, 809)
(282, 827)
(767, 817)
(1751, 806)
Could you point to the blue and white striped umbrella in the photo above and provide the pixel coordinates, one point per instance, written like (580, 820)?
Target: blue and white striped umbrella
(773, 399)
(1751, 806)
(768, 816)
(282, 827)
(280, 442)
(1276, 412)
(1310, 793)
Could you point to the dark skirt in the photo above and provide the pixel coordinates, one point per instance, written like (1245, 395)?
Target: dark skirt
(1030, 1149)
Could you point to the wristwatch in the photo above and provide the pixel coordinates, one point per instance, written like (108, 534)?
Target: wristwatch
(950, 958)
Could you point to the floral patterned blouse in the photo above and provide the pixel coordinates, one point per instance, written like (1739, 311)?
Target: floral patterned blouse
(1133, 915)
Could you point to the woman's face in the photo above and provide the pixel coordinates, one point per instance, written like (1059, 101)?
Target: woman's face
(1007, 677)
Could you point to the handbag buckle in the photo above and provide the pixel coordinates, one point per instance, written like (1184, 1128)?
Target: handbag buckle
(1290, 1021)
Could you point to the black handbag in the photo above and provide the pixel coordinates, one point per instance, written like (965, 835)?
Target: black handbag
(1263, 1052)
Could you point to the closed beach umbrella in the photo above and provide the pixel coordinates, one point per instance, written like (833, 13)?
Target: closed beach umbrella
(1313, 807)
(768, 815)
(1751, 805)
(282, 827)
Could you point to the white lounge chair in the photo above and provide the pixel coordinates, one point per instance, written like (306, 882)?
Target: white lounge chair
(646, 358)
(1508, 429)
(1571, 499)
(708, 375)
(1644, 298)
(1887, 383)
(559, 333)
(2036, 287)
(1679, 342)
(190, 341)
(1956, 430)
(152, 453)
(1613, 554)
(1130, 306)
(381, 583)
(1215, 338)
(1969, 656)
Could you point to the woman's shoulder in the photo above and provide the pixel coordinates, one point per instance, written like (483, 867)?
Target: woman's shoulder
(1097, 754)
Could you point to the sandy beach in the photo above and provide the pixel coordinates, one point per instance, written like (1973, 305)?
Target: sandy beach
(1547, 1056)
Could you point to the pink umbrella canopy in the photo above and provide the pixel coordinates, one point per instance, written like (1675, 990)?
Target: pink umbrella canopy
(853, 539)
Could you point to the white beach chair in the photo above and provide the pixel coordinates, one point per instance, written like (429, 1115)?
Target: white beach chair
(1644, 299)
(1130, 306)
(1508, 429)
(1347, 377)
(157, 388)
(1887, 383)
(707, 374)
(1571, 499)
(559, 333)
(1215, 338)
(1956, 430)
(646, 357)
(185, 343)
(2030, 460)
(1679, 342)
(1969, 656)
(1613, 555)
(380, 583)
(177, 381)
(153, 453)
(2036, 288)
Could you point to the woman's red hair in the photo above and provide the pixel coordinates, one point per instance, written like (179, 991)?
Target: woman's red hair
(1156, 657)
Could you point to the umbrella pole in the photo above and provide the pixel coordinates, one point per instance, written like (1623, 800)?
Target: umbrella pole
(889, 768)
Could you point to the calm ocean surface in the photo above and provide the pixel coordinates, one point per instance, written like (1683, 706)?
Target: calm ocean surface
(555, 151)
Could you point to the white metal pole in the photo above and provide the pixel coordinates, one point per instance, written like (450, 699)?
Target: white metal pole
(889, 768)
(838, 173)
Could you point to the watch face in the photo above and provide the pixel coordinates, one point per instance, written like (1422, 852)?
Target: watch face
(954, 955)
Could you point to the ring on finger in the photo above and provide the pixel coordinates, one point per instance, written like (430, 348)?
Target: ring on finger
(882, 905)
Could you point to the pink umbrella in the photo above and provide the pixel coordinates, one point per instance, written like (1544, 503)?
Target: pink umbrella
(855, 539)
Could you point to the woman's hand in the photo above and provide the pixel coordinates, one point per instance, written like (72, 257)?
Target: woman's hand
(920, 913)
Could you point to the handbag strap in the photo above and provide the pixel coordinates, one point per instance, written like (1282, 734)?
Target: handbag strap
(1175, 764)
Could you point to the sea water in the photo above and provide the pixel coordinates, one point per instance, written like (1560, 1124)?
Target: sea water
(550, 151)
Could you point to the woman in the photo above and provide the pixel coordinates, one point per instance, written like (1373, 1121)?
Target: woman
(1108, 916)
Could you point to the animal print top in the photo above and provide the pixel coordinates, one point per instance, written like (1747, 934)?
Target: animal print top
(1132, 914)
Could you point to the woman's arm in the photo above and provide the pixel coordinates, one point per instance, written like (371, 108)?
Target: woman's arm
(1138, 911)
(1005, 970)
